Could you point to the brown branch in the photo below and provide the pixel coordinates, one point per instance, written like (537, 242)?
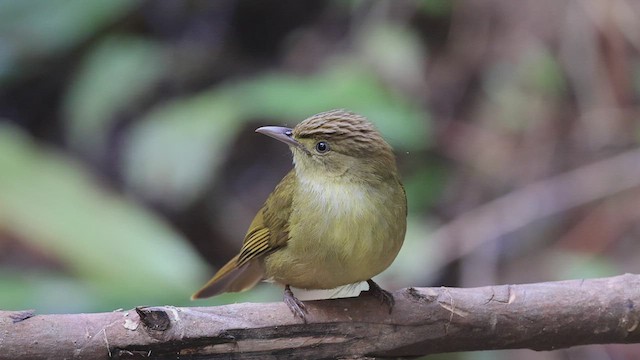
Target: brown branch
(541, 316)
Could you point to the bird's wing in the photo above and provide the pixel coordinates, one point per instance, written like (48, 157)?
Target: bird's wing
(268, 231)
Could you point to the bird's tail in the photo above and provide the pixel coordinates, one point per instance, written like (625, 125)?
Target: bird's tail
(231, 278)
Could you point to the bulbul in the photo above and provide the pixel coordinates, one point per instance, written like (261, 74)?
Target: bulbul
(337, 218)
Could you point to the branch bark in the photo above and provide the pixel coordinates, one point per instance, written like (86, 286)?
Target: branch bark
(542, 316)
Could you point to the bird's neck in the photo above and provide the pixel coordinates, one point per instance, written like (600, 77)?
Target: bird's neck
(341, 195)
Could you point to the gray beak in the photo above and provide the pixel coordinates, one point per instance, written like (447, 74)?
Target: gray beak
(279, 133)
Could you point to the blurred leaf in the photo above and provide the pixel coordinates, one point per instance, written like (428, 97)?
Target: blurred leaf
(523, 92)
(395, 53)
(48, 293)
(116, 74)
(542, 73)
(172, 153)
(636, 83)
(437, 8)
(120, 252)
(32, 29)
(425, 187)
(575, 265)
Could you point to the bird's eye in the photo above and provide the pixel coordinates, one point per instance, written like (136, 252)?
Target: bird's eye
(322, 147)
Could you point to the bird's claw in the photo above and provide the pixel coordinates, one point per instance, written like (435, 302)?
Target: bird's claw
(296, 306)
(384, 296)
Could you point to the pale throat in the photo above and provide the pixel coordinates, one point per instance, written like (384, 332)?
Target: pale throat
(335, 198)
(335, 209)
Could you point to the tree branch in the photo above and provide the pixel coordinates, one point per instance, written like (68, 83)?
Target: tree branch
(541, 316)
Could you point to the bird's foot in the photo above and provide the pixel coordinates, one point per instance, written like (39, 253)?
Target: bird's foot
(384, 296)
(296, 306)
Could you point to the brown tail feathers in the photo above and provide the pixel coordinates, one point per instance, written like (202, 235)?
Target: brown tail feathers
(231, 278)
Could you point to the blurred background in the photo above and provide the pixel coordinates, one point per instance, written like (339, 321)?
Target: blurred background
(129, 169)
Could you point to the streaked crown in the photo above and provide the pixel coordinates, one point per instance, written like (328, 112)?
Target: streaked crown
(352, 133)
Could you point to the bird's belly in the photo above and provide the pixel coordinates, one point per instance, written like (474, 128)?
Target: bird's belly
(326, 266)
(340, 243)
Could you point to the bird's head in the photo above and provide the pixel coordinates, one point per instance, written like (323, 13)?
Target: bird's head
(338, 145)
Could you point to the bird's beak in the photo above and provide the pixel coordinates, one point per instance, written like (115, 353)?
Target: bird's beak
(279, 133)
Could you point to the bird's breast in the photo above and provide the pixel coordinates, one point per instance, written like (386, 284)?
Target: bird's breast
(339, 233)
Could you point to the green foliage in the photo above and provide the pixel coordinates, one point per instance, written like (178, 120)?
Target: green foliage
(396, 53)
(576, 265)
(32, 29)
(438, 8)
(424, 187)
(523, 89)
(173, 152)
(118, 73)
(120, 252)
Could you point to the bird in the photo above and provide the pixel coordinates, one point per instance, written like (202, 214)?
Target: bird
(337, 218)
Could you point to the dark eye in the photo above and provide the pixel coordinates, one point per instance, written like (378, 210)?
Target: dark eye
(322, 147)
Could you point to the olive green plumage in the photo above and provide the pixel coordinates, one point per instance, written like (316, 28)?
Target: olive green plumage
(337, 218)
